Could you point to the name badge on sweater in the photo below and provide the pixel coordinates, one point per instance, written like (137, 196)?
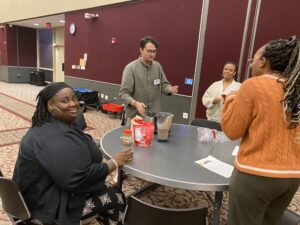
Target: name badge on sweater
(156, 82)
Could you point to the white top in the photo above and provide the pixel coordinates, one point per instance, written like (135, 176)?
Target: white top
(213, 111)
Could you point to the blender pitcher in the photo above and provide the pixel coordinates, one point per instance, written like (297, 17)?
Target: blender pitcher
(150, 117)
(163, 123)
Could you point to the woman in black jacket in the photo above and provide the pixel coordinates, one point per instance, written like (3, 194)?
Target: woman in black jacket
(59, 168)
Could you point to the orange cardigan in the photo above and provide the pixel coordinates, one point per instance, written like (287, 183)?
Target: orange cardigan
(255, 114)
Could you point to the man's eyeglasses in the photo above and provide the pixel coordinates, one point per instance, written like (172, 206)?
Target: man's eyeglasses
(151, 51)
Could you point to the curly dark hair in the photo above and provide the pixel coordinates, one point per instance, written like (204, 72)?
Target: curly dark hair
(283, 56)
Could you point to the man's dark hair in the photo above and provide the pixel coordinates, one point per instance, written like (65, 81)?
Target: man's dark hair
(283, 56)
(145, 40)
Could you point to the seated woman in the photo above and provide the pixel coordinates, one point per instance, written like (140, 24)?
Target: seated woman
(213, 97)
(59, 169)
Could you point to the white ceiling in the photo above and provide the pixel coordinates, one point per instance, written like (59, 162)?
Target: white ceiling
(54, 20)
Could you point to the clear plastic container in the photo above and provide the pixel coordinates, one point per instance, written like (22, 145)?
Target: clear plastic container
(206, 135)
(163, 123)
(221, 137)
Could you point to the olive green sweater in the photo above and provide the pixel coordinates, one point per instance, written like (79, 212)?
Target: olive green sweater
(255, 114)
(143, 83)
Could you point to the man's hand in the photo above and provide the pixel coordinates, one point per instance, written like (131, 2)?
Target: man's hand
(139, 106)
(173, 89)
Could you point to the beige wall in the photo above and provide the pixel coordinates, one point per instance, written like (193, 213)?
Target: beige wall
(58, 53)
(14, 10)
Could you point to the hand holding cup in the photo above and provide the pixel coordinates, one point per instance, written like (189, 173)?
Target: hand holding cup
(123, 157)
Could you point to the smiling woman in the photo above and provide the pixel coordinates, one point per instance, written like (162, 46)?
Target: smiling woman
(53, 102)
(59, 166)
(214, 97)
(64, 105)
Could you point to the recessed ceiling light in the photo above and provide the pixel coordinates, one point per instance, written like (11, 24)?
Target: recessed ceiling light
(36, 24)
(61, 21)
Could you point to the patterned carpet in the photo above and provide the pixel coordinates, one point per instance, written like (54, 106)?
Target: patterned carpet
(17, 104)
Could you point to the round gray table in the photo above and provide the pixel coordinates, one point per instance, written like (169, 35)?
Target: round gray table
(172, 163)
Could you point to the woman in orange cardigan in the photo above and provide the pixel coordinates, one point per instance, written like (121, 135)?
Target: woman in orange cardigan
(265, 114)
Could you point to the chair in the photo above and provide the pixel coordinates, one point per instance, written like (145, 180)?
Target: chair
(139, 212)
(80, 120)
(289, 218)
(206, 123)
(13, 203)
(123, 117)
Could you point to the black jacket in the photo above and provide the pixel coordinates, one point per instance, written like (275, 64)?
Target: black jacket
(57, 167)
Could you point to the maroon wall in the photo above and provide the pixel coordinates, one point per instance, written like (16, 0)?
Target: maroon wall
(282, 21)
(27, 47)
(223, 40)
(174, 23)
(3, 46)
(21, 42)
(12, 46)
(277, 19)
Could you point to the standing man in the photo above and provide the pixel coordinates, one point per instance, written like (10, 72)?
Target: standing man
(144, 81)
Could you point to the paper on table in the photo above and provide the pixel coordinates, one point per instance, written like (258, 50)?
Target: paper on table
(216, 166)
(235, 150)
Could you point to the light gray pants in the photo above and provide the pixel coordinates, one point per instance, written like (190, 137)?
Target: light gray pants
(257, 200)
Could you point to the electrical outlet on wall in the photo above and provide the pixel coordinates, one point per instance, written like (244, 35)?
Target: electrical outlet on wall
(106, 97)
(102, 95)
(185, 115)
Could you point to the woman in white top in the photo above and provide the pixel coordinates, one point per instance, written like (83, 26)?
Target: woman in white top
(213, 97)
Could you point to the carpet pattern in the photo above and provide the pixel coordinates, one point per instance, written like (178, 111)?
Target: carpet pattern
(17, 107)
(11, 121)
(17, 104)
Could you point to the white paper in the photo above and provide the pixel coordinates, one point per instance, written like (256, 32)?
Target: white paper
(235, 150)
(216, 166)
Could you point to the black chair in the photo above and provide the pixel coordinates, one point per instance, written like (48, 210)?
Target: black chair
(123, 117)
(80, 120)
(289, 218)
(13, 203)
(139, 212)
(206, 123)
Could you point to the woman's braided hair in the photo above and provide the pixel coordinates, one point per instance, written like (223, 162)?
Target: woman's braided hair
(41, 114)
(283, 56)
